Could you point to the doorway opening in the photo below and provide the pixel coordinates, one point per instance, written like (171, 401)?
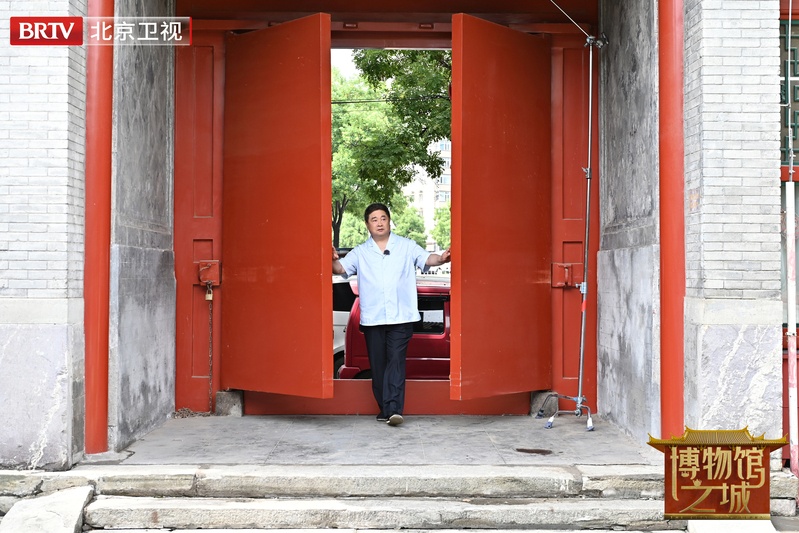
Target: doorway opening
(391, 118)
(516, 214)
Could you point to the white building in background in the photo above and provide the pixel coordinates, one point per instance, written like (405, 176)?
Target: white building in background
(427, 195)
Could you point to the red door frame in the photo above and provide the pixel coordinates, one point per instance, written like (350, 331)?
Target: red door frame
(97, 119)
(568, 90)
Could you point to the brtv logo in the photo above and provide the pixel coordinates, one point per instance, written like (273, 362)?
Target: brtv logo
(46, 30)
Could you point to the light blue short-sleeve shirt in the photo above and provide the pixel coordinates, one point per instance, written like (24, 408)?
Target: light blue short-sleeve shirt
(387, 282)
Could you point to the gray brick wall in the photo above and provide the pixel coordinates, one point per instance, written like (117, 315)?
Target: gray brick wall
(76, 133)
(733, 349)
(42, 107)
(732, 149)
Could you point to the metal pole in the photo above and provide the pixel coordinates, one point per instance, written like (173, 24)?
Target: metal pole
(790, 241)
(790, 216)
(580, 400)
(584, 289)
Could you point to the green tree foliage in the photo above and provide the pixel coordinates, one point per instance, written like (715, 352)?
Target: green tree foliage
(378, 145)
(416, 84)
(353, 231)
(352, 125)
(409, 223)
(442, 230)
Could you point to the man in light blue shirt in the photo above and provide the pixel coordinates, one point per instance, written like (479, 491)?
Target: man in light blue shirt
(386, 267)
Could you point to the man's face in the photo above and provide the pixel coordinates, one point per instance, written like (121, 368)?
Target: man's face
(378, 224)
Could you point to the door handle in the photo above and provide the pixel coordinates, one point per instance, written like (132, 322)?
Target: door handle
(209, 271)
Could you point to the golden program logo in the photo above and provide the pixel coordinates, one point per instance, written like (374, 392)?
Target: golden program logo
(717, 474)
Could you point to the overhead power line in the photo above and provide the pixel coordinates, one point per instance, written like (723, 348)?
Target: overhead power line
(419, 98)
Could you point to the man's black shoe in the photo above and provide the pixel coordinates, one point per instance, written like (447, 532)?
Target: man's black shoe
(382, 418)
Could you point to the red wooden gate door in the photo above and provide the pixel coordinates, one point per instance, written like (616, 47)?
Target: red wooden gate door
(199, 72)
(501, 210)
(569, 151)
(278, 320)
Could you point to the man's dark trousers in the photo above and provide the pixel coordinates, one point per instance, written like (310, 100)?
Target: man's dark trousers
(387, 346)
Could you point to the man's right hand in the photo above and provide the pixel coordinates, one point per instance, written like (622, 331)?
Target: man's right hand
(337, 268)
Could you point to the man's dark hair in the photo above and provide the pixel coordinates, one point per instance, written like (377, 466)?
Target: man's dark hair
(375, 207)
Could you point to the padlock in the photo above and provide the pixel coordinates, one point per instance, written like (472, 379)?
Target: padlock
(209, 296)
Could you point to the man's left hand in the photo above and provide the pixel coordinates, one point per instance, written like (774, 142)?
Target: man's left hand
(446, 256)
(439, 259)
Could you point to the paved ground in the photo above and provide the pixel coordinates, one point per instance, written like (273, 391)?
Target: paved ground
(483, 440)
(421, 440)
(785, 524)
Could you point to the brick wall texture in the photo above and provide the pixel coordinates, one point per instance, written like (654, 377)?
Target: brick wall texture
(732, 113)
(42, 108)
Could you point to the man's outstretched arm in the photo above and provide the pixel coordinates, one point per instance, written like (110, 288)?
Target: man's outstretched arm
(337, 268)
(436, 259)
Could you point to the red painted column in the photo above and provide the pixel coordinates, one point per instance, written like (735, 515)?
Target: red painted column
(672, 217)
(96, 270)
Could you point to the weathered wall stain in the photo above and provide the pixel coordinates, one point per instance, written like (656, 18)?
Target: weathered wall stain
(628, 93)
(143, 288)
(628, 342)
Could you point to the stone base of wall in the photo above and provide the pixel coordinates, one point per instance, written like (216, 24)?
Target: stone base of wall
(628, 340)
(142, 342)
(42, 403)
(733, 366)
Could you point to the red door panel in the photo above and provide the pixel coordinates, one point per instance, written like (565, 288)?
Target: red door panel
(199, 76)
(501, 210)
(278, 321)
(570, 149)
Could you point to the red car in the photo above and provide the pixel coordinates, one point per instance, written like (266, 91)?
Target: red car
(428, 350)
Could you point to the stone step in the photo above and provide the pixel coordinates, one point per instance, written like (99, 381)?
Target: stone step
(301, 481)
(405, 531)
(57, 512)
(120, 512)
(553, 497)
(257, 481)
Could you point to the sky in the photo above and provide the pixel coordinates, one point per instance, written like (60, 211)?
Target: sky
(342, 59)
